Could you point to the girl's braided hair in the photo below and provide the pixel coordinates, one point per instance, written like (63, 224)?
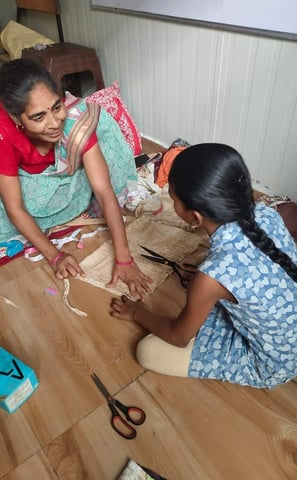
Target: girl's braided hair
(213, 179)
(17, 79)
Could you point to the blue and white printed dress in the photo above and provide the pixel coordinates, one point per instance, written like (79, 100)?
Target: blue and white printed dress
(253, 342)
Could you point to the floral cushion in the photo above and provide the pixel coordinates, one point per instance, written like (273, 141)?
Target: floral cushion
(110, 99)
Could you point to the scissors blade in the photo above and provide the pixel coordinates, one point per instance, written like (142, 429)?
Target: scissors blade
(161, 258)
(156, 259)
(155, 254)
(101, 387)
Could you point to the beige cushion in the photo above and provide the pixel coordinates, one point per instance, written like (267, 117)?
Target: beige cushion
(4, 57)
(15, 37)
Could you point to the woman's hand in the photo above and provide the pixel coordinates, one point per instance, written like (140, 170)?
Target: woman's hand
(98, 174)
(66, 265)
(135, 279)
(125, 309)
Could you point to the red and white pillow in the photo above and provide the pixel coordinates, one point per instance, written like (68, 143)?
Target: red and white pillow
(110, 99)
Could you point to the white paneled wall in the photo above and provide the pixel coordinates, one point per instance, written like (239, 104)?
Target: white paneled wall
(201, 84)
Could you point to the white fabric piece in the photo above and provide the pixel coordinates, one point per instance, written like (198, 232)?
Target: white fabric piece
(75, 310)
(133, 471)
(9, 302)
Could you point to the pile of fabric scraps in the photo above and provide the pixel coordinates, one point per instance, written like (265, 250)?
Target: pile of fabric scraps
(286, 208)
(133, 471)
(59, 238)
(58, 235)
(18, 246)
(146, 181)
(168, 157)
(11, 249)
(152, 172)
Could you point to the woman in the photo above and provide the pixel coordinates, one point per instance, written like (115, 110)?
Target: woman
(53, 156)
(239, 323)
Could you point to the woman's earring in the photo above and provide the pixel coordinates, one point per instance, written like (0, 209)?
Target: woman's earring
(19, 126)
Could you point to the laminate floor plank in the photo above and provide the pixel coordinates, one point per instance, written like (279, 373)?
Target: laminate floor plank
(91, 449)
(64, 350)
(227, 431)
(195, 429)
(36, 467)
(18, 440)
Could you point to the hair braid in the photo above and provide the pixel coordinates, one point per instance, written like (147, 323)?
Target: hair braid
(261, 240)
(256, 234)
(213, 179)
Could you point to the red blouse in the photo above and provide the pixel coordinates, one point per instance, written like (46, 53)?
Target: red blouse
(17, 150)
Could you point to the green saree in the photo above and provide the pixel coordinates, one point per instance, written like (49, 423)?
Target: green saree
(62, 191)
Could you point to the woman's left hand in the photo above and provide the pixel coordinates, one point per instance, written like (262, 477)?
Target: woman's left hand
(125, 309)
(135, 279)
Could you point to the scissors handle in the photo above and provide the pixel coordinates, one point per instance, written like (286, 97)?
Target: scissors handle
(134, 415)
(183, 282)
(191, 265)
(120, 425)
(182, 276)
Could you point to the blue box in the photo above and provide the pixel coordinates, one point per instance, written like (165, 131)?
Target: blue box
(17, 381)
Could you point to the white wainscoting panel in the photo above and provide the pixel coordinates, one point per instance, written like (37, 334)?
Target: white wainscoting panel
(200, 84)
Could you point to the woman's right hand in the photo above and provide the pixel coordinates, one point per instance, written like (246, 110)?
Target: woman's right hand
(66, 266)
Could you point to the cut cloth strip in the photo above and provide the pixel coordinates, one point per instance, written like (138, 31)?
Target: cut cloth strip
(60, 242)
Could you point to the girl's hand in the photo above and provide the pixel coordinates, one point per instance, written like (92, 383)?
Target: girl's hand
(188, 271)
(66, 265)
(125, 309)
(137, 281)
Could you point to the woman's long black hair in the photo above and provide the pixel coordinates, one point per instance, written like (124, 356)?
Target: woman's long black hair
(213, 179)
(17, 79)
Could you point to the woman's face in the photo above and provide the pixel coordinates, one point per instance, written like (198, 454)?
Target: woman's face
(44, 116)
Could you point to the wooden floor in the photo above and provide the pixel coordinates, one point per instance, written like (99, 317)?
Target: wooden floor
(195, 430)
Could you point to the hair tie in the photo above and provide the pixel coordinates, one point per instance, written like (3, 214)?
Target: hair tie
(123, 264)
(58, 257)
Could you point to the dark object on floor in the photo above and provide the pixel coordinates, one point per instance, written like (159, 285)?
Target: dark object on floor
(141, 160)
(288, 211)
(152, 474)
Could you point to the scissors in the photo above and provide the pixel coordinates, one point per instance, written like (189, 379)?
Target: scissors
(156, 257)
(134, 415)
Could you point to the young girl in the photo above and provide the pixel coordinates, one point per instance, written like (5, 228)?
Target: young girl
(54, 155)
(239, 323)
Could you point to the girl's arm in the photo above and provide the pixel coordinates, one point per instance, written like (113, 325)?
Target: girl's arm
(98, 175)
(11, 195)
(202, 295)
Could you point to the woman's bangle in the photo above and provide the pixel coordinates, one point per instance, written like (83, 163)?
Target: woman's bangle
(124, 264)
(58, 257)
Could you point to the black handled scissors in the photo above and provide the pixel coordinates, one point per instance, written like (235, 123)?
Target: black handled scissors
(134, 415)
(156, 257)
